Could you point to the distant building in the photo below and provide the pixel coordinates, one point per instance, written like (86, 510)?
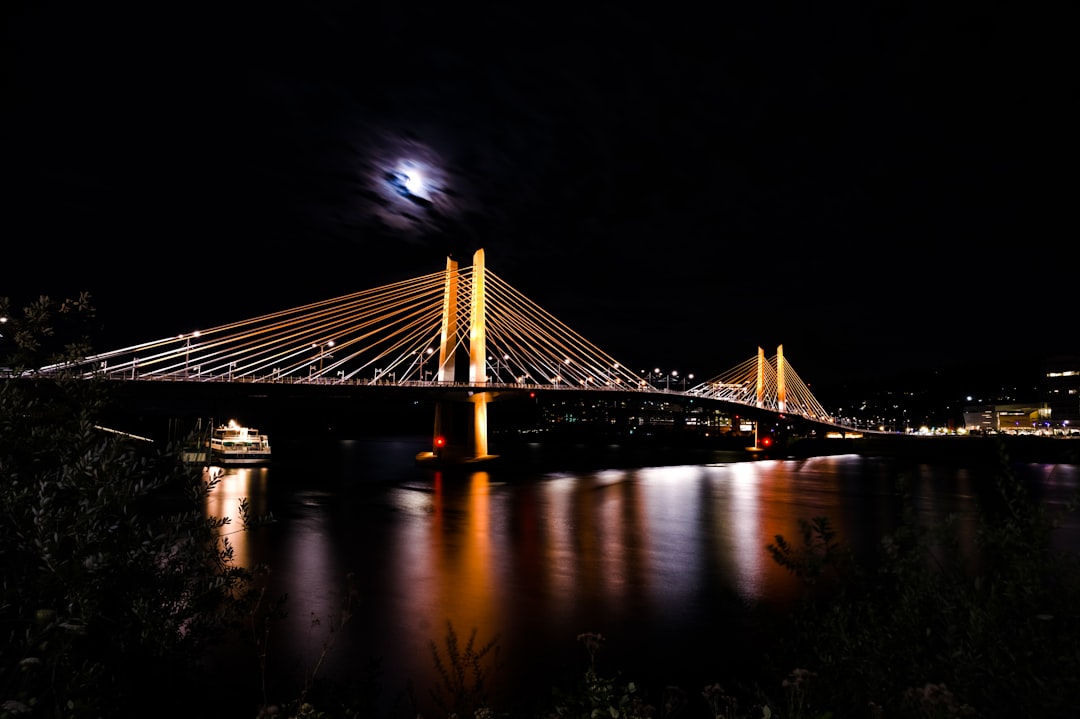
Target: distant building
(1006, 418)
(1057, 410)
(1061, 390)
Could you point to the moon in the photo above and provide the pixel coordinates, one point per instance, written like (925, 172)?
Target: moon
(416, 192)
(415, 181)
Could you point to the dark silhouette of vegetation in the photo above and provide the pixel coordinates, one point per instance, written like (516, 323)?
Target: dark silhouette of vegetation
(115, 582)
(927, 628)
(596, 694)
(464, 673)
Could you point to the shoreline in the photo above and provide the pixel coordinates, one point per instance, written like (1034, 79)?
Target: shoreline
(989, 449)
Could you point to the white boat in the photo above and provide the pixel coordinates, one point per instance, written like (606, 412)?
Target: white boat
(232, 445)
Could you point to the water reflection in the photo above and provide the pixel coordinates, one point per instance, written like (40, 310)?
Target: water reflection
(441, 563)
(739, 553)
(233, 486)
(662, 560)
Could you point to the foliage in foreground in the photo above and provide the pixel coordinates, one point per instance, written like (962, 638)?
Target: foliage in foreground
(115, 584)
(929, 629)
(464, 673)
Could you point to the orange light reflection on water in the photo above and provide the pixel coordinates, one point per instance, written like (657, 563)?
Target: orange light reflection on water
(223, 501)
(533, 563)
(445, 572)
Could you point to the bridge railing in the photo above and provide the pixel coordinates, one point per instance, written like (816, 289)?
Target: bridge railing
(369, 382)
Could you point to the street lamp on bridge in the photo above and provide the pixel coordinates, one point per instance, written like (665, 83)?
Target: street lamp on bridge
(675, 374)
(423, 358)
(187, 350)
(322, 352)
(500, 364)
(418, 363)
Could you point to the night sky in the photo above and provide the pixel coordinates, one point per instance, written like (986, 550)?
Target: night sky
(877, 187)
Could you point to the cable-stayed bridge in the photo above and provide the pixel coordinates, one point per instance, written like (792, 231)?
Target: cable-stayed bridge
(461, 329)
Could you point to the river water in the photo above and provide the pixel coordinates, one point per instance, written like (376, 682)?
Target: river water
(667, 562)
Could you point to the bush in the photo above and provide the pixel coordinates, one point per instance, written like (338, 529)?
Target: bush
(115, 584)
(924, 629)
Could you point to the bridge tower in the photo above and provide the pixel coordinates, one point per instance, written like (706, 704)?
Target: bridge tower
(478, 357)
(760, 377)
(447, 356)
(781, 384)
(452, 441)
(781, 387)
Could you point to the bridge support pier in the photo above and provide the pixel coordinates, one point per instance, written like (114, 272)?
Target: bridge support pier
(480, 424)
(460, 431)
